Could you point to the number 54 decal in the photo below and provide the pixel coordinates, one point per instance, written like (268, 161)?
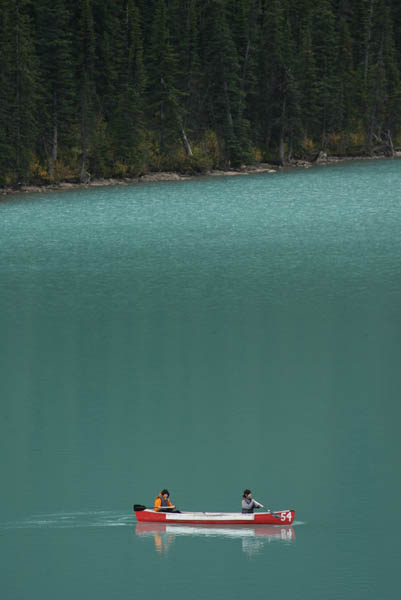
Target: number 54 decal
(285, 515)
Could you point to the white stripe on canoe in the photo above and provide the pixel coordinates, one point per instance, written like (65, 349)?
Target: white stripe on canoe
(206, 516)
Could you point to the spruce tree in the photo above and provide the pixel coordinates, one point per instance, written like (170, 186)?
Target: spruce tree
(56, 71)
(183, 18)
(127, 118)
(163, 93)
(392, 118)
(324, 48)
(395, 16)
(306, 74)
(192, 82)
(85, 45)
(223, 75)
(18, 66)
(6, 99)
(383, 83)
(279, 94)
(348, 81)
(108, 22)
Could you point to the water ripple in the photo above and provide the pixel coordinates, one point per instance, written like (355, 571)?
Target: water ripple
(72, 520)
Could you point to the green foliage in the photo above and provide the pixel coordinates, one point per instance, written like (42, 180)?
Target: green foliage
(127, 117)
(163, 94)
(100, 88)
(19, 90)
(86, 53)
(56, 78)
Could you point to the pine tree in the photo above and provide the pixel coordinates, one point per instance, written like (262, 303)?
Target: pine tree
(108, 22)
(18, 66)
(243, 17)
(164, 95)
(191, 75)
(6, 142)
(395, 15)
(279, 94)
(194, 68)
(307, 79)
(54, 48)
(348, 81)
(383, 82)
(86, 81)
(324, 48)
(183, 16)
(127, 119)
(238, 15)
(392, 119)
(222, 71)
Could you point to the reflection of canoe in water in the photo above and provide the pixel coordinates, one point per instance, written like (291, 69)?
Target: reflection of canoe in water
(281, 517)
(285, 532)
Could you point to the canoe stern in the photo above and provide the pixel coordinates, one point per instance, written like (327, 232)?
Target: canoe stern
(280, 517)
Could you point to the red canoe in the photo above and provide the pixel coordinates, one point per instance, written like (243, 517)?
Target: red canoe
(280, 517)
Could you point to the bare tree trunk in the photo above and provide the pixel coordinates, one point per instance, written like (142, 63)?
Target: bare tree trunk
(281, 149)
(324, 128)
(186, 143)
(281, 143)
(371, 129)
(161, 138)
(55, 131)
(390, 143)
(228, 107)
(251, 27)
(229, 116)
(372, 122)
(55, 143)
(52, 152)
(246, 61)
(84, 176)
(290, 149)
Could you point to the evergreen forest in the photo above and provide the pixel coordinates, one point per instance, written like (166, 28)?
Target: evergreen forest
(118, 88)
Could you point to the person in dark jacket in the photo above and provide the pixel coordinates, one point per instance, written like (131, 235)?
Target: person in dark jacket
(248, 503)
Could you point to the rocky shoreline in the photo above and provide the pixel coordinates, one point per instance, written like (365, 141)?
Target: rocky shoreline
(321, 159)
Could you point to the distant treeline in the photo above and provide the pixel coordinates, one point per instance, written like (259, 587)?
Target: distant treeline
(101, 88)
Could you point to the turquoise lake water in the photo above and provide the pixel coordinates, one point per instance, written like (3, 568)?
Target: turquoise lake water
(204, 336)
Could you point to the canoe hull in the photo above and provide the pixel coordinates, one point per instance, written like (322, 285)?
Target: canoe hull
(281, 517)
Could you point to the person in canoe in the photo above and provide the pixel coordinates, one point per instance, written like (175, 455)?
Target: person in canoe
(163, 504)
(248, 503)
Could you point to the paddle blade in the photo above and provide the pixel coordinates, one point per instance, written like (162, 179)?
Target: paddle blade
(138, 507)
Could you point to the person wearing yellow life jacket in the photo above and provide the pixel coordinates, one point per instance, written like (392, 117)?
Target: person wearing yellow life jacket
(162, 502)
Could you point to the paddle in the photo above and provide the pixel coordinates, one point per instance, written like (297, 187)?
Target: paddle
(139, 507)
(275, 515)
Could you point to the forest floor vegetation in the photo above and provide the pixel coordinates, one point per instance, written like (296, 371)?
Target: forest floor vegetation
(153, 177)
